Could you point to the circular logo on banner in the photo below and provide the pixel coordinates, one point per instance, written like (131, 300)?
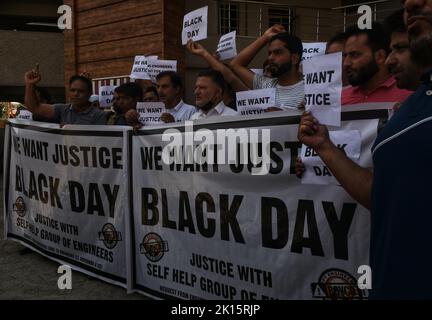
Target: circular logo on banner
(337, 284)
(110, 236)
(19, 207)
(153, 247)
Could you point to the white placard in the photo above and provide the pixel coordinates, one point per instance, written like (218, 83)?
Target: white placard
(155, 67)
(227, 48)
(313, 49)
(195, 25)
(316, 172)
(255, 101)
(323, 87)
(106, 96)
(139, 68)
(151, 112)
(25, 115)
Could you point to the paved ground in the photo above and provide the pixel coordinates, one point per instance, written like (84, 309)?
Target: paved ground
(31, 276)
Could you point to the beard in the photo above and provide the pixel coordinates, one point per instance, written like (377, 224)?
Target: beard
(364, 74)
(277, 71)
(421, 49)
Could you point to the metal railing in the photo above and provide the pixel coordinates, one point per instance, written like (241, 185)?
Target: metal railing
(311, 24)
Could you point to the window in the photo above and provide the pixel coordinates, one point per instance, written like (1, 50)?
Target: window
(284, 17)
(228, 17)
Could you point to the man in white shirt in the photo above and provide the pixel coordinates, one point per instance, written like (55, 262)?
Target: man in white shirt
(209, 90)
(170, 87)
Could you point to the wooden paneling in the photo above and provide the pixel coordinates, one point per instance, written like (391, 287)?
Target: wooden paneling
(70, 56)
(117, 12)
(108, 34)
(82, 5)
(146, 45)
(142, 26)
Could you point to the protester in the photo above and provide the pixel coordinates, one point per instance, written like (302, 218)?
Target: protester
(284, 57)
(170, 89)
(209, 90)
(125, 98)
(79, 111)
(399, 61)
(366, 52)
(151, 95)
(398, 197)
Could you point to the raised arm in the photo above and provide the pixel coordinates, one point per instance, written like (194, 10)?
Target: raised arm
(356, 180)
(229, 76)
(30, 99)
(240, 64)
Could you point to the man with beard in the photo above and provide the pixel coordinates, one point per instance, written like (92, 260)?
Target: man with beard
(284, 56)
(79, 111)
(365, 55)
(125, 99)
(398, 191)
(209, 91)
(399, 61)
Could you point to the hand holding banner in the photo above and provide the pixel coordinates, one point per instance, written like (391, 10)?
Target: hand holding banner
(323, 87)
(150, 112)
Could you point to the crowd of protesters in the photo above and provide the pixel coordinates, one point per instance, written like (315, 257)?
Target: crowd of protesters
(389, 63)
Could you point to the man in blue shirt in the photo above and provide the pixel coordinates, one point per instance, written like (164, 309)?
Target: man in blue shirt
(398, 191)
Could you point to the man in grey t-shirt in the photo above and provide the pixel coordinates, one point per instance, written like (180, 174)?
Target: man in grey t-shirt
(79, 111)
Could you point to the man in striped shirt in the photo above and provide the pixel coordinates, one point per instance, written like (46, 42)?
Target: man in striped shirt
(284, 55)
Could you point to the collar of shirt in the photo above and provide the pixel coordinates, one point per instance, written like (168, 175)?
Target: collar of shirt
(218, 109)
(386, 84)
(179, 105)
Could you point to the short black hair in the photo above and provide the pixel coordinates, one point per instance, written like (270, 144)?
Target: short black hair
(292, 43)
(395, 22)
(153, 90)
(86, 80)
(174, 77)
(340, 37)
(378, 38)
(130, 89)
(44, 94)
(215, 76)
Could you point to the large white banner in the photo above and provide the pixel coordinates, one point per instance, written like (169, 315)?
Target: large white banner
(66, 196)
(217, 231)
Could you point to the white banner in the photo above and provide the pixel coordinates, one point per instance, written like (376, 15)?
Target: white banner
(215, 231)
(316, 172)
(312, 49)
(195, 25)
(25, 115)
(139, 68)
(255, 101)
(157, 66)
(151, 112)
(323, 87)
(106, 96)
(66, 197)
(227, 47)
